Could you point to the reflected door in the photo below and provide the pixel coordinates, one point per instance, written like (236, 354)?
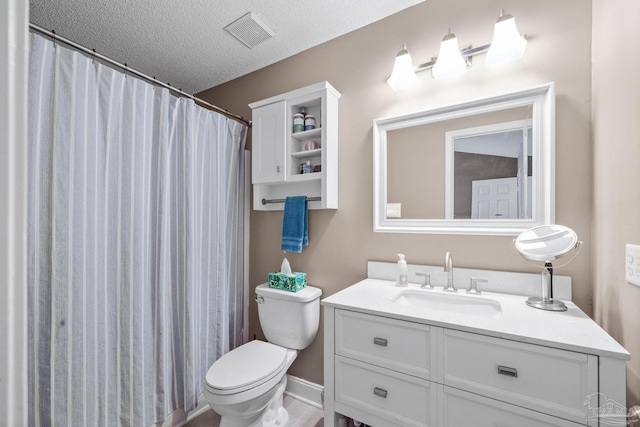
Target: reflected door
(494, 198)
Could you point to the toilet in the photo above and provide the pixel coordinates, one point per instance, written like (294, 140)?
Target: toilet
(245, 386)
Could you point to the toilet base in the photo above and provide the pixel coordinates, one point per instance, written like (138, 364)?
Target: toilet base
(273, 415)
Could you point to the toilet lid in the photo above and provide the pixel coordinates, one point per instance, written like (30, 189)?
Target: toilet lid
(248, 364)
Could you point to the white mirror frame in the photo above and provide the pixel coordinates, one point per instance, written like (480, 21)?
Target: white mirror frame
(542, 100)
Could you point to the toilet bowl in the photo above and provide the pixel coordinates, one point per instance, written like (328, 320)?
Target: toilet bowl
(246, 385)
(243, 382)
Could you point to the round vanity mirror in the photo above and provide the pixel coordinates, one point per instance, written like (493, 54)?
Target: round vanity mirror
(547, 243)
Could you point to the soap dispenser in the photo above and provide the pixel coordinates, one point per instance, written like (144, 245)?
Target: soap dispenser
(402, 274)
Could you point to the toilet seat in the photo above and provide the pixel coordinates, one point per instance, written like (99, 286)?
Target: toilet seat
(246, 367)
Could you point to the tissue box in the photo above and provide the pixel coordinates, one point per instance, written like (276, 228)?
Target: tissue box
(288, 282)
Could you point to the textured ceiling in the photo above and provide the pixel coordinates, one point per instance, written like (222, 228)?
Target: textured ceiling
(183, 42)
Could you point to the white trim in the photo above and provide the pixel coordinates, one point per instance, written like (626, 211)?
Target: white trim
(304, 391)
(541, 98)
(179, 417)
(200, 409)
(13, 211)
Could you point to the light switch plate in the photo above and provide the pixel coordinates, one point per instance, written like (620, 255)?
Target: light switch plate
(394, 210)
(632, 266)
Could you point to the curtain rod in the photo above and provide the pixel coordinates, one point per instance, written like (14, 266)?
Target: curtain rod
(93, 53)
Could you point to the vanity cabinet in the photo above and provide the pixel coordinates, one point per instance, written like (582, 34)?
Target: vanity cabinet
(279, 150)
(390, 372)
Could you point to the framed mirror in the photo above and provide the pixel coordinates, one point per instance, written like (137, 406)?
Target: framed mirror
(485, 166)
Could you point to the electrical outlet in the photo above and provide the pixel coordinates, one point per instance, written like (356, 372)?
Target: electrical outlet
(632, 266)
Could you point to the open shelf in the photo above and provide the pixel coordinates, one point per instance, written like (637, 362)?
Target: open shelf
(307, 154)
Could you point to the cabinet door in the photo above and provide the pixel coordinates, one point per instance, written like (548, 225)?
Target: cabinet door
(268, 139)
(460, 408)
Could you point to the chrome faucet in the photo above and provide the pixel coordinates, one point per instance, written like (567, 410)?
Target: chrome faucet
(448, 268)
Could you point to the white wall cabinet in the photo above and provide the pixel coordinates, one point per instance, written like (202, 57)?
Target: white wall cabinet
(278, 151)
(268, 156)
(390, 372)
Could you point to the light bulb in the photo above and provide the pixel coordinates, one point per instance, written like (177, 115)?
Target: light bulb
(507, 44)
(403, 76)
(449, 62)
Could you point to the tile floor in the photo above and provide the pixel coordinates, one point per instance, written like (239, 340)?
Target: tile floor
(300, 415)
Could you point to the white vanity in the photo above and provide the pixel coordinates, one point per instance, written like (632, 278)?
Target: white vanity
(421, 357)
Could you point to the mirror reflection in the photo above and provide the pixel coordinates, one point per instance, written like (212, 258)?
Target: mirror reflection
(482, 167)
(491, 170)
(471, 167)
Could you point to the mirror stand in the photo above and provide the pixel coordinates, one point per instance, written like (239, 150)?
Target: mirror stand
(546, 302)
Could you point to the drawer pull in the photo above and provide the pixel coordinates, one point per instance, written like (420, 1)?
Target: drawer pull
(380, 392)
(380, 341)
(505, 370)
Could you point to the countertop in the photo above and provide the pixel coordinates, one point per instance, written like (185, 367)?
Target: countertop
(569, 330)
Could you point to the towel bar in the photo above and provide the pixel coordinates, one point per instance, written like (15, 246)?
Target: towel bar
(309, 199)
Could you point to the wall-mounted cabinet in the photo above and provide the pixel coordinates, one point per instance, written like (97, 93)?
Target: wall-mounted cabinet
(288, 160)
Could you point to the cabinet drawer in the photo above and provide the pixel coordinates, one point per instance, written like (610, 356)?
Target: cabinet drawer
(460, 408)
(400, 399)
(548, 380)
(394, 344)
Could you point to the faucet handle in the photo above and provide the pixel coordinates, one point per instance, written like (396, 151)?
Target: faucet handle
(473, 285)
(427, 280)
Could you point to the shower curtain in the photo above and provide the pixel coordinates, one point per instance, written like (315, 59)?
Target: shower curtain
(136, 215)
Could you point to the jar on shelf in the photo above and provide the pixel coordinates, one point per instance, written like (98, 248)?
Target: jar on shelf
(309, 122)
(298, 122)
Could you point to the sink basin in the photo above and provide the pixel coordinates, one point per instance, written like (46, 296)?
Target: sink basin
(451, 303)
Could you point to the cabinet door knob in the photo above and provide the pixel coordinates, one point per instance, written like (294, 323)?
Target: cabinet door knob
(505, 370)
(380, 341)
(278, 169)
(380, 392)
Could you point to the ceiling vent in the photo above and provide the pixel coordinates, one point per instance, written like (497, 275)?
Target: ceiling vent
(250, 30)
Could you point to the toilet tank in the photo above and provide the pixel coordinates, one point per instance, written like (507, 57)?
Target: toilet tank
(289, 319)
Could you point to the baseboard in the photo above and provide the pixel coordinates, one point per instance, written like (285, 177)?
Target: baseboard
(305, 391)
(202, 407)
(302, 390)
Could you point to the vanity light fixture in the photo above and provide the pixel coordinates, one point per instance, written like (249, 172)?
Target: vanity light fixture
(450, 62)
(507, 45)
(403, 75)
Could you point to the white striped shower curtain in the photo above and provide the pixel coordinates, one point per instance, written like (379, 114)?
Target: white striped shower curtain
(136, 213)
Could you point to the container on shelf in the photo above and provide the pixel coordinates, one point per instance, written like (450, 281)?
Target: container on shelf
(309, 122)
(298, 122)
(310, 145)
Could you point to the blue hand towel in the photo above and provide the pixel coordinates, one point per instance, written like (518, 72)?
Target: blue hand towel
(295, 226)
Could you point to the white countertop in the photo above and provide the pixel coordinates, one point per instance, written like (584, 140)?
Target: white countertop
(569, 330)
